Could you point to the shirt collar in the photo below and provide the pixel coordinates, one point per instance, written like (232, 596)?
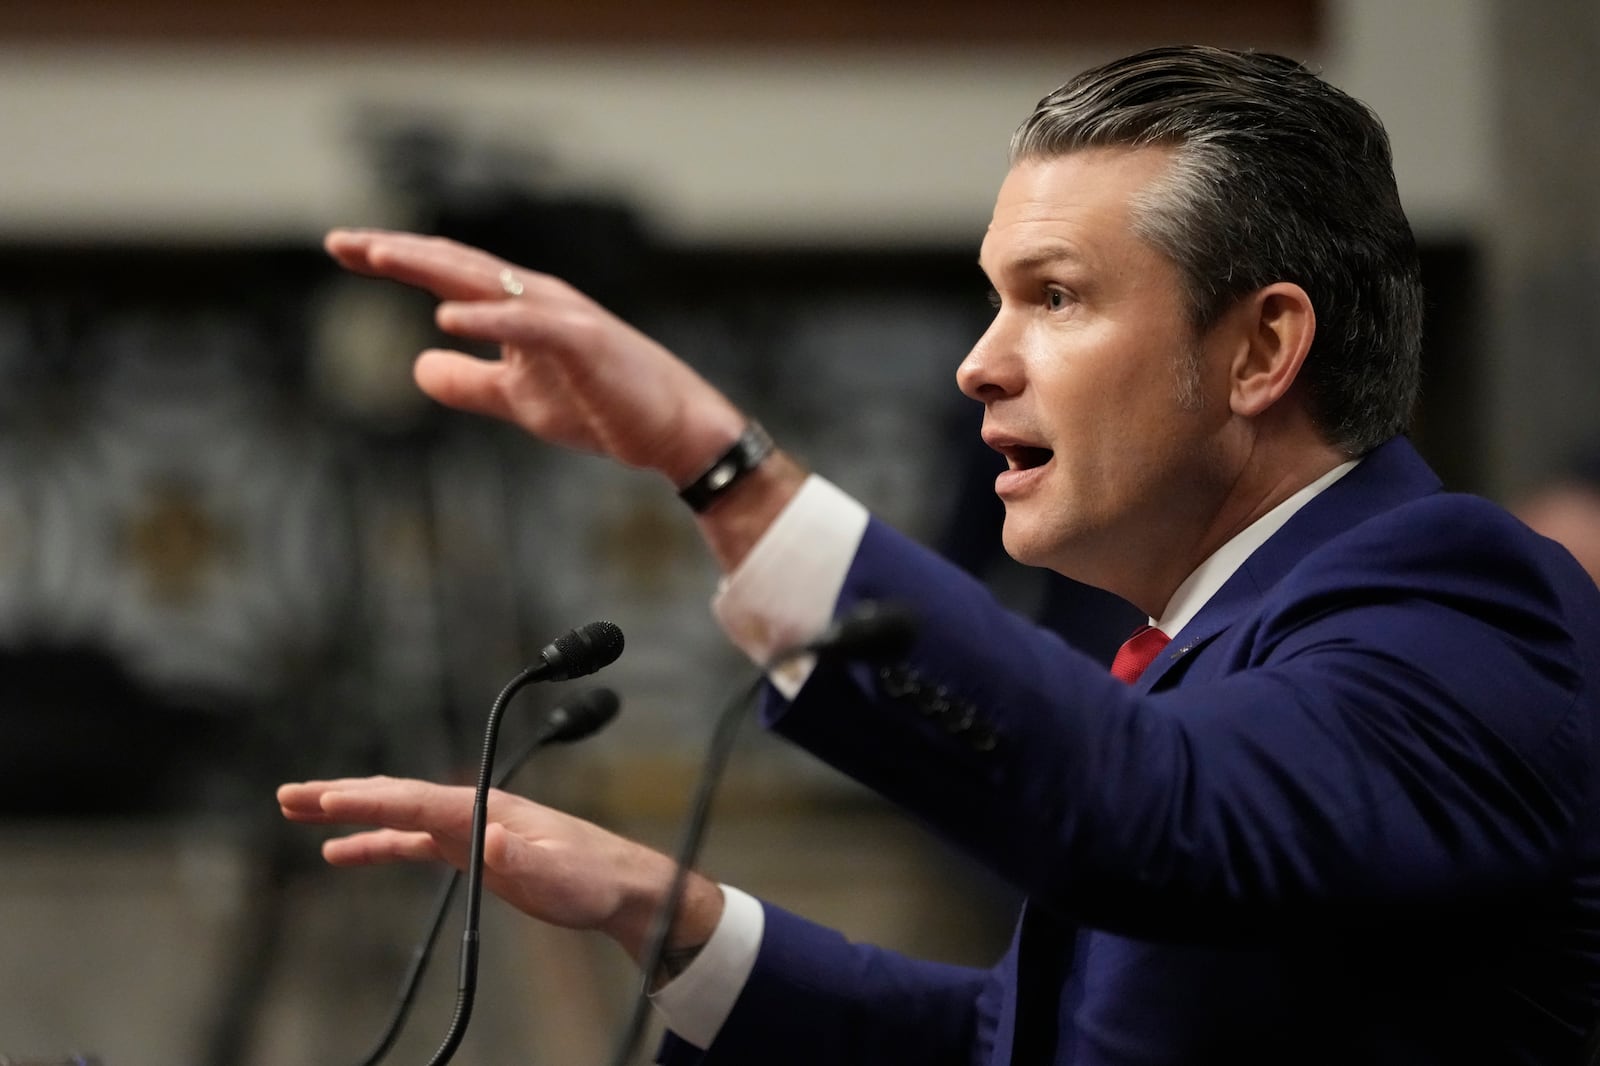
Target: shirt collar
(1210, 575)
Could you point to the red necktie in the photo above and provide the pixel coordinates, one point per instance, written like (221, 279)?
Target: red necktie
(1138, 652)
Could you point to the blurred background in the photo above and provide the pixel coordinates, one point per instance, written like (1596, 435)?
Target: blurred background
(237, 548)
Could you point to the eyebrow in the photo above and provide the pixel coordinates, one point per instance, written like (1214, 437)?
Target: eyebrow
(1045, 255)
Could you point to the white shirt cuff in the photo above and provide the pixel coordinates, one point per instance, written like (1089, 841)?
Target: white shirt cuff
(783, 593)
(697, 1001)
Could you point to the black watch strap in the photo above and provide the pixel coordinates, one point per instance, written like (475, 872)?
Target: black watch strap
(753, 445)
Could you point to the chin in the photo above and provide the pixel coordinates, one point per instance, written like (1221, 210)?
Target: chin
(1049, 545)
(1025, 546)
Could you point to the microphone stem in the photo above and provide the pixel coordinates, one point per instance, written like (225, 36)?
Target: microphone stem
(467, 981)
(723, 735)
(413, 977)
(423, 952)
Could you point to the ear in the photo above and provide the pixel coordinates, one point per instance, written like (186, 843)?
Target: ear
(1276, 326)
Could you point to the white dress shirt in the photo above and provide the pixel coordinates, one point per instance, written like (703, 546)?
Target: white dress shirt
(783, 594)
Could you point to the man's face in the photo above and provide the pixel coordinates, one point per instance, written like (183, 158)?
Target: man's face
(1106, 405)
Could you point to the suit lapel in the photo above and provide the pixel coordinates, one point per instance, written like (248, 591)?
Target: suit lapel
(1390, 475)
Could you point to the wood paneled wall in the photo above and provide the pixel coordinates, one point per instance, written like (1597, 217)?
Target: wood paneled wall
(1288, 24)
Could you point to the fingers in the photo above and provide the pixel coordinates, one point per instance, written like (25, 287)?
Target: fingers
(301, 801)
(379, 846)
(393, 803)
(536, 324)
(547, 349)
(446, 268)
(443, 267)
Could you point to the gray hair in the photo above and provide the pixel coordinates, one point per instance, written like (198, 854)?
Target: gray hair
(1275, 176)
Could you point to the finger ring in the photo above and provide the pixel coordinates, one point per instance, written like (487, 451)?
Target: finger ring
(509, 284)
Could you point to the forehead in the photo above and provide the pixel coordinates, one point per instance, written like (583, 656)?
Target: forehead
(1078, 206)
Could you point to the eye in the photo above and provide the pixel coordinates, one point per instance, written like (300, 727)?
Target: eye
(1055, 299)
(994, 298)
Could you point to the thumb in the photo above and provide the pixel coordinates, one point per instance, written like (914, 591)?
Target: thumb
(462, 382)
(502, 849)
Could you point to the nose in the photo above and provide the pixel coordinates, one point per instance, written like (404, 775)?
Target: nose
(991, 371)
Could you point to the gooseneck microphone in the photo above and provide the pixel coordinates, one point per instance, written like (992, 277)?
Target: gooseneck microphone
(870, 631)
(586, 649)
(577, 719)
(577, 653)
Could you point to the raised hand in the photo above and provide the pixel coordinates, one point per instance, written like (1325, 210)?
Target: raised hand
(573, 374)
(550, 865)
(570, 372)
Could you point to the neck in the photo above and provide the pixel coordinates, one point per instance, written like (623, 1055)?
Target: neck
(1259, 486)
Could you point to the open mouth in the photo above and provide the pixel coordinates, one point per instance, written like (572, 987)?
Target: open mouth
(1021, 457)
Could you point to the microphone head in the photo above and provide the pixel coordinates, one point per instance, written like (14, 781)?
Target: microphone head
(871, 630)
(590, 647)
(582, 717)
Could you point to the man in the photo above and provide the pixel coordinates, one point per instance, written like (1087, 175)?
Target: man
(1346, 815)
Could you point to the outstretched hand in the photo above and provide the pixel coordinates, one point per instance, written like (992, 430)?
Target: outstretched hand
(570, 372)
(550, 865)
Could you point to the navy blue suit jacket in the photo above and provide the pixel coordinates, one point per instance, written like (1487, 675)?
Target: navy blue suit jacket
(1349, 816)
